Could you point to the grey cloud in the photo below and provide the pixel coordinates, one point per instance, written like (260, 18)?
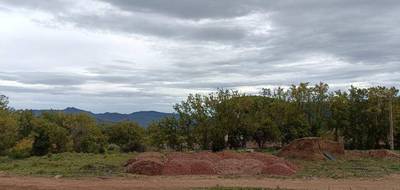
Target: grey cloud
(54, 5)
(191, 9)
(45, 78)
(364, 35)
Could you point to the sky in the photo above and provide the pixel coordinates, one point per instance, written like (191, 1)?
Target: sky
(125, 56)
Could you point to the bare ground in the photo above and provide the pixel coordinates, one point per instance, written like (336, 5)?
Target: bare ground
(188, 182)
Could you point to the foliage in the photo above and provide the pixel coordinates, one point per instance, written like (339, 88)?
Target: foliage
(8, 127)
(363, 118)
(49, 138)
(127, 135)
(22, 149)
(113, 148)
(228, 119)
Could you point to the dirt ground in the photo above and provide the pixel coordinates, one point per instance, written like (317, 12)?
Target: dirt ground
(188, 182)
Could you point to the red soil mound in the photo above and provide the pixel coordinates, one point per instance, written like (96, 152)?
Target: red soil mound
(177, 167)
(145, 167)
(278, 169)
(146, 156)
(207, 163)
(188, 167)
(251, 167)
(311, 148)
(208, 156)
(202, 167)
(229, 166)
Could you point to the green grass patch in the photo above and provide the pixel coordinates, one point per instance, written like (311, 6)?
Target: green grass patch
(348, 168)
(67, 164)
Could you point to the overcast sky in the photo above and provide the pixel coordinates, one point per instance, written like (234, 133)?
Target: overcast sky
(125, 56)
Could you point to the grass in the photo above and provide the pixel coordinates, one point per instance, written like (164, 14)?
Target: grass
(365, 167)
(79, 164)
(67, 164)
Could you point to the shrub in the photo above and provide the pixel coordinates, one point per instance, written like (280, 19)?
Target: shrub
(8, 131)
(22, 149)
(127, 135)
(49, 138)
(113, 148)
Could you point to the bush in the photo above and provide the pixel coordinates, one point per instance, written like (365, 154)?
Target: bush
(22, 149)
(113, 148)
(127, 135)
(49, 138)
(8, 131)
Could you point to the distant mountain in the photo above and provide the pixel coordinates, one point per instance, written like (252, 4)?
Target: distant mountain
(143, 118)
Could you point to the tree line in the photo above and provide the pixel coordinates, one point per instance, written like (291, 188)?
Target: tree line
(363, 118)
(23, 134)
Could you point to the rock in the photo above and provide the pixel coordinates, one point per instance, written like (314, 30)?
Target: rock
(58, 176)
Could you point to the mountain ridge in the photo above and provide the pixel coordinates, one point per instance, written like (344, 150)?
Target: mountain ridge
(143, 118)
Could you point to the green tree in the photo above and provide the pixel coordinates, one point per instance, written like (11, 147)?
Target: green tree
(8, 126)
(127, 135)
(8, 131)
(25, 123)
(49, 138)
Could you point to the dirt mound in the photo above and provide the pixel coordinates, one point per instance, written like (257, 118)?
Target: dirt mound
(229, 166)
(231, 155)
(146, 167)
(188, 167)
(312, 148)
(382, 153)
(176, 167)
(146, 156)
(251, 167)
(207, 163)
(209, 156)
(278, 169)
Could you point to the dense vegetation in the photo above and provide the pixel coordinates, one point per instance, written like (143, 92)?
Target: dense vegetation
(361, 117)
(23, 134)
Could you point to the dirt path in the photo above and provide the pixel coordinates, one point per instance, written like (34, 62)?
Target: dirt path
(188, 182)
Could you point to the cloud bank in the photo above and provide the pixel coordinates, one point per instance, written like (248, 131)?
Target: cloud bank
(147, 55)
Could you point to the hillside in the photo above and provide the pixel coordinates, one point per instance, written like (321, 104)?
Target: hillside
(144, 118)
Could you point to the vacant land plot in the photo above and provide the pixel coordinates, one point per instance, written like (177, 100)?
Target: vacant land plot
(90, 165)
(93, 171)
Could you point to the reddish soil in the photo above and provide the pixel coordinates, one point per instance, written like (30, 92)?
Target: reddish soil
(311, 148)
(145, 167)
(207, 163)
(280, 169)
(190, 182)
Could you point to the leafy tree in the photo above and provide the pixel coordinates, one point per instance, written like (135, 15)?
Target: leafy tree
(25, 123)
(8, 131)
(8, 126)
(127, 135)
(3, 102)
(49, 138)
(339, 113)
(85, 134)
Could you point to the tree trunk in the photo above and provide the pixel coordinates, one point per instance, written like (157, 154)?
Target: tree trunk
(391, 128)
